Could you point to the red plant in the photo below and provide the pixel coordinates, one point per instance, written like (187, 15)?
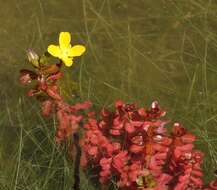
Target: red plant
(130, 144)
(133, 146)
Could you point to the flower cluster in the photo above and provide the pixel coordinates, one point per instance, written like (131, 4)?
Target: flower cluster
(133, 146)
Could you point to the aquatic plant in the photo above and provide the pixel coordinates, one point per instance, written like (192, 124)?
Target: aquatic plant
(129, 145)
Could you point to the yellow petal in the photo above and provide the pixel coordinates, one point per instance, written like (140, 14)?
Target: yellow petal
(64, 40)
(68, 61)
(76, 50)
(54, 50)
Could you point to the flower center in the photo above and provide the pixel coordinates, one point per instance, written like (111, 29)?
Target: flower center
(64, 52)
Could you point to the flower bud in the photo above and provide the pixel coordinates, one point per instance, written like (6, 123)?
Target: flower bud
(32, 57)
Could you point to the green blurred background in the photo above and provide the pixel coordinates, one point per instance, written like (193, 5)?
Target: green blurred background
(137, 50)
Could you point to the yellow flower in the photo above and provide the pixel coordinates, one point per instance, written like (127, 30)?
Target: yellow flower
(65, 51)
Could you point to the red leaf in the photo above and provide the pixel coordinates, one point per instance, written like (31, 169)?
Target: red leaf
(188, 138)
(46, 108)
(136, 149)
(93, 151)
(52, 92)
